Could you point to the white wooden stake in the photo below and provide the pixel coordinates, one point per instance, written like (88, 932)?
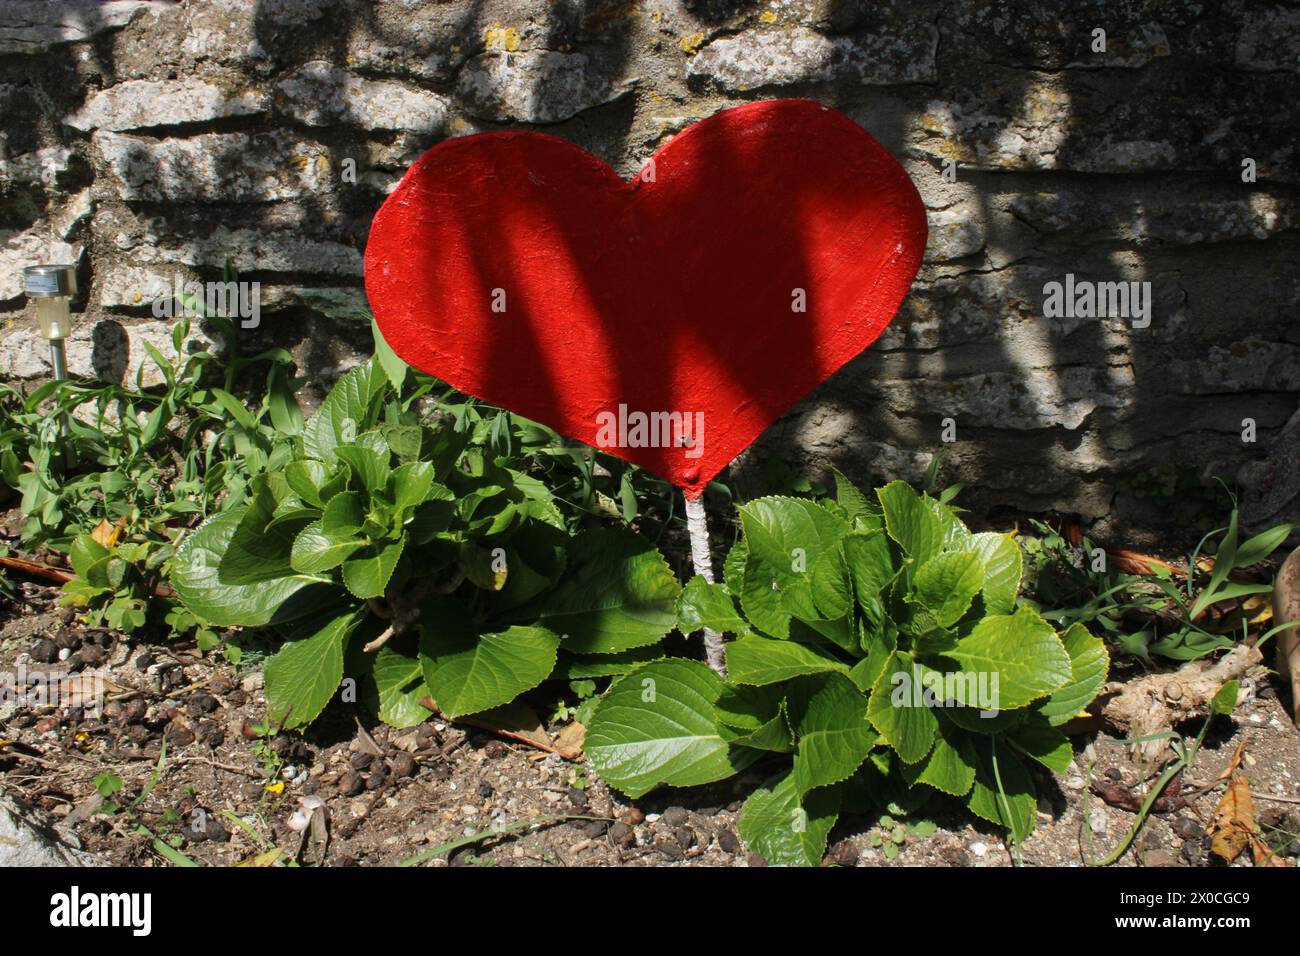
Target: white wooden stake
(698, 527)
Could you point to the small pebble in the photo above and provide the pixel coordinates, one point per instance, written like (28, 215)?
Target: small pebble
(1097, 820)
(675, 817)
(621, 834)
(44, 651)
(844, 853)
(671, 849)
(360, 761)
(979, 849)
(403, 766)
(954, 856)
(178, 735)
(728, 842)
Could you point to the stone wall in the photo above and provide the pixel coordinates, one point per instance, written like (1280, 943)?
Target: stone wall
(148, 140)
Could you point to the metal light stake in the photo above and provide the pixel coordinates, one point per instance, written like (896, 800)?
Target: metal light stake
(53, 286)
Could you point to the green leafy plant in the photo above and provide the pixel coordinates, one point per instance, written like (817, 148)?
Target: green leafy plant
(1180, 612)
(385, 521)
(116, 475)
(881, 658)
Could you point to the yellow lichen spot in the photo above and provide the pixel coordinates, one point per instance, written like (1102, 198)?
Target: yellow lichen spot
(691, 43)
(767, 16)
(500, 37)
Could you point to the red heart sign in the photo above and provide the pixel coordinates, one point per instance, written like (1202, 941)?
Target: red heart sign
(668, 320)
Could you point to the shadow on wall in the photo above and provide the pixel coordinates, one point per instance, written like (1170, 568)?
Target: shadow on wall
(1122, 165)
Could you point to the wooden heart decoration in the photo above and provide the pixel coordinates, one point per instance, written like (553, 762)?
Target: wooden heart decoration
(668, 320)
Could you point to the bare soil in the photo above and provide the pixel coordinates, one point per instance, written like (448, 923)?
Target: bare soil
(227, 795)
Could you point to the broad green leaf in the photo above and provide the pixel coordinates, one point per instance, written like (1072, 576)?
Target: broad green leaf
(304, 674)
(350, 408)
(774, 735)
(848, 497)
(618, 593)
(733, 566)
(832, 585)
(929, 637)
(394, 368)
(910, 521)
(259, 551)
(1225, 701)
(1021, 651)
(572, 667)
(878, 643)
(1003, 792)
(89, 559)
(950, 766)
(366, 573)
(898, 711)
(1089, 665)
(315, 552)
(977, 721)
(398, 685)
(748, 708)
(1037, 739)
(829, 716)
(481, 567)
(761, 598)
(468, 673)
(703, 604)
(411, 483)
(535, 559)
(947, 583)
(80, 593)
(656, 726)
(782, 830)
(763, 660)
(1002, 563)
(369, 467)
(195, 576)
(788, 536)
(953, 534)
(870, 564)
(343, 515)
(405, 441)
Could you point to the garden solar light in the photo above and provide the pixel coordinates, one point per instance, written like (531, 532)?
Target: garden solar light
(52, 286)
